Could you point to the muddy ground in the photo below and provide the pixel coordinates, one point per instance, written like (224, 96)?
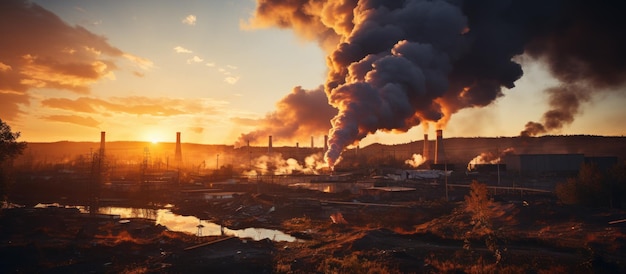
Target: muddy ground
(416, 232)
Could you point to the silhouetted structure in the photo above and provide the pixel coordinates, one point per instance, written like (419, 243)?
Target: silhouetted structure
(425, 150)
(178, 156)
(439, 151)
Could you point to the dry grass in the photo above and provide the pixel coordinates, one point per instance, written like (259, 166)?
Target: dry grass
(353, 264)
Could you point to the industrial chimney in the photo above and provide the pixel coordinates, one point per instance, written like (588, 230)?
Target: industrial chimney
(425, 150)
(178, 156)
(269, 145)
(102, 142)
(439, 152)
(312, 142)
(325, 143)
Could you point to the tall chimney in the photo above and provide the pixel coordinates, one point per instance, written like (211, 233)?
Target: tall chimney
(297, 145)
(425, 150)
(178, 156)
(439, 152)
(269, 145)
(312, 142)
(102, 142)
(325, 143)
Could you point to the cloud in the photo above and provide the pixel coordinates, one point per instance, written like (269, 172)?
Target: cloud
(189, 20)
(10, 102)
(231, 80)
(195, 59)
(249, 122)
(40, 73)
(197, 130)
(42, 51)
(4, 67)
(141, 62)
(136, 105)
(231, 67)
(79, 105)
(210, 64)
(73, 119)
(180, 49)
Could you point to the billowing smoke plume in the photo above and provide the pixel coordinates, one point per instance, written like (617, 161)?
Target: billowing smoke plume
(399, 63)
(565, 103)
(490, 157)
(277, 165)
(416, 160)
(584, 48)
(298, 116)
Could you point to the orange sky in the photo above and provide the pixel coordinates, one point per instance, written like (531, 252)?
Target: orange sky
(143, 71)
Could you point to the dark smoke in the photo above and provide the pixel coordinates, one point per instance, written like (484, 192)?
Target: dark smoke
(298, 116)
(400, 63)
(565, 103)
(584, 49)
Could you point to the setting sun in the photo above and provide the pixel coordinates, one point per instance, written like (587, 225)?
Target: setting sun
(154, 137)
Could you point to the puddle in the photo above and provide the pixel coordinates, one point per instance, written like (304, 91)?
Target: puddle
(186, 224)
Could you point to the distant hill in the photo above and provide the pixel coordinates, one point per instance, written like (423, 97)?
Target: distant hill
(457, 150)
(462, 150)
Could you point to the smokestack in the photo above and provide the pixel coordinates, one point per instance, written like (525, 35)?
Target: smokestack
(312, 142)
(439, 152)
(269, 145)
(178, 155)
(297, 145)
(425, 150)
(102, 142)
(325, 143)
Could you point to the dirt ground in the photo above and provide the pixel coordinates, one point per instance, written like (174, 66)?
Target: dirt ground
(413, 232)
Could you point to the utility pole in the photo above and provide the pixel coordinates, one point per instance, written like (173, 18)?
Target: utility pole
(445, 173)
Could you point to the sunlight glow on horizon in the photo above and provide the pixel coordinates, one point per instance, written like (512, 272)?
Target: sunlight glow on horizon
(144, 72)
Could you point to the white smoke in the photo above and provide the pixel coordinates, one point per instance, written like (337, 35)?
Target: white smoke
(415, 161)
(491, 158)
(277, 165)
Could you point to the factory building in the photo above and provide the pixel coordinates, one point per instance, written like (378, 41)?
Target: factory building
(538, 164)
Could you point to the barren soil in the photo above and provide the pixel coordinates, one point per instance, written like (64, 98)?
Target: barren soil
(529, 234)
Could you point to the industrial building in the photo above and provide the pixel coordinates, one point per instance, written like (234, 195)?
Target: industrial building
(538, 164)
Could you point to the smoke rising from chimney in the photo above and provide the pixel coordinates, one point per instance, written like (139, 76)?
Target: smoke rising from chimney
(297, 116)
(396, 64)
(275, 164)
(440, 153)
(489, 157)
(565, 103)
(583, 45)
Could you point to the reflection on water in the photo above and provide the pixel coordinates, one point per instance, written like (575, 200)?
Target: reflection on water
(129, 212)
(187, 224)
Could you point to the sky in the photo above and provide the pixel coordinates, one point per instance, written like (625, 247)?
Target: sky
(144, 70)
